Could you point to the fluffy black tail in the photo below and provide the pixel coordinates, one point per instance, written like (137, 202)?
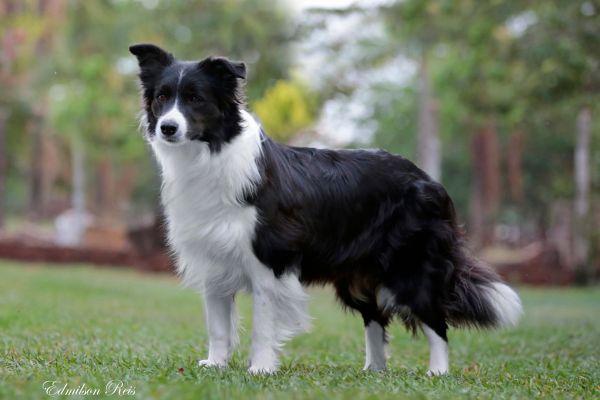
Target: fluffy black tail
(453, 286)
(478, 297)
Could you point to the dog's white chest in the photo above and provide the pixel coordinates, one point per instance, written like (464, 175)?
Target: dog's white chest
(210, 228)
(201, 224)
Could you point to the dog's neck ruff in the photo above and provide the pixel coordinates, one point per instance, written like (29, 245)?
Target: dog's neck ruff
(224, 176)
(210, 227)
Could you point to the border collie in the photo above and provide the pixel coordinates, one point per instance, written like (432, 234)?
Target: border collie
(246, 213)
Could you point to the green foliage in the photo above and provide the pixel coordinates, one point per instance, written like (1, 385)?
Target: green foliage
(21, 34)
(527, 66)
(286, 108)
(563, 51)
(104, 326)
(395, 111)
(255, 31)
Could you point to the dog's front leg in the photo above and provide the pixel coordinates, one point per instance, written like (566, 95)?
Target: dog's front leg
(220, 321)
(263, 359)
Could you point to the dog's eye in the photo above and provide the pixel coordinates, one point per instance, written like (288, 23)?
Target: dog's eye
(161, 98)
(196, 99)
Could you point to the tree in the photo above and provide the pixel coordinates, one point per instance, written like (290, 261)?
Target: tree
(563, 75)
(418, 28)
(468, 69)
(28, 31)
(286, 108)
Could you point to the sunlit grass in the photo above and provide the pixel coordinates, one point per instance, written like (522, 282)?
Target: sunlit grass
(84, 325)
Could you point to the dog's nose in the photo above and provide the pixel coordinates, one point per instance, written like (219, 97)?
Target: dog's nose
(168, 128)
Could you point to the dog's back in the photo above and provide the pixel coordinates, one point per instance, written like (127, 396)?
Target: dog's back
(372, 224)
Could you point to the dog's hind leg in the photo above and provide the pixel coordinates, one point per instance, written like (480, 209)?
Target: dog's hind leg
(438, 350)
(375, 340)
(435, 328)
(375, 323)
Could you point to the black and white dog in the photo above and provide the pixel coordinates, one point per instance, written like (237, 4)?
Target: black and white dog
(246, 213)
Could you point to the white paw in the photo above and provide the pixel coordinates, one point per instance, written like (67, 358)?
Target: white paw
(437, 372)
(256, 369)
(263, 362)
(374, 367)
(212, 363)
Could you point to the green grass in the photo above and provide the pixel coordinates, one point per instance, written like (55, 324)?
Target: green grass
(80, 325)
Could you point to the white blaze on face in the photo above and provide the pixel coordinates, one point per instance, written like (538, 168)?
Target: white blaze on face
(173, 117)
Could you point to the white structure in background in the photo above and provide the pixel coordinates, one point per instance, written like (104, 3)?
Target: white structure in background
(344, 118)
(70, 226)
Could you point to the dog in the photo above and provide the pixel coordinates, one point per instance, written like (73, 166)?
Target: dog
(245, 213)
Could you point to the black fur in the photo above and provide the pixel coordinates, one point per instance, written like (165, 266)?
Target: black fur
(362, 220)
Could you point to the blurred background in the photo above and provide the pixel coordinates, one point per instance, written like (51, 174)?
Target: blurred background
(498, 100)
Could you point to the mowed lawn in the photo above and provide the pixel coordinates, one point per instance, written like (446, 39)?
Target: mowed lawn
(83, 325)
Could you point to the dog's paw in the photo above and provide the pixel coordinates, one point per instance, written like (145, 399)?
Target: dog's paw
(263, 362)
(212, 363)
(262, 370)
(374, 367)
(437, 372)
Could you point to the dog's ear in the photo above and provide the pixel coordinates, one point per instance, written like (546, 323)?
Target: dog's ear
(149, 55)
(152, 60)
(222, 68)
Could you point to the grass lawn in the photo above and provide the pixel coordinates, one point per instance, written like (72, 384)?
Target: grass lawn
(78, 325)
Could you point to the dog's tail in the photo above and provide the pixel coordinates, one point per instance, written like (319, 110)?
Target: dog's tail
(478, 297)
(474, 295)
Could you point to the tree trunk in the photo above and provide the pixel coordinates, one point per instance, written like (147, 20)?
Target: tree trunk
(36, 198)
(428, 142)
(515, 165)
(3, 165)
(78, 190)
(582, 194)
(485, 185)
(104, 187)
(124, 186)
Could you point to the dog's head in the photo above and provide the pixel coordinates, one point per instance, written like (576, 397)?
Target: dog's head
(188, 101)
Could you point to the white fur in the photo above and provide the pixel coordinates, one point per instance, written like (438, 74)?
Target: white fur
(280, 312)
(375, 347)
(173, 115)
(211, 233)
(221, 321)
(438, 352)
(506, 302)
